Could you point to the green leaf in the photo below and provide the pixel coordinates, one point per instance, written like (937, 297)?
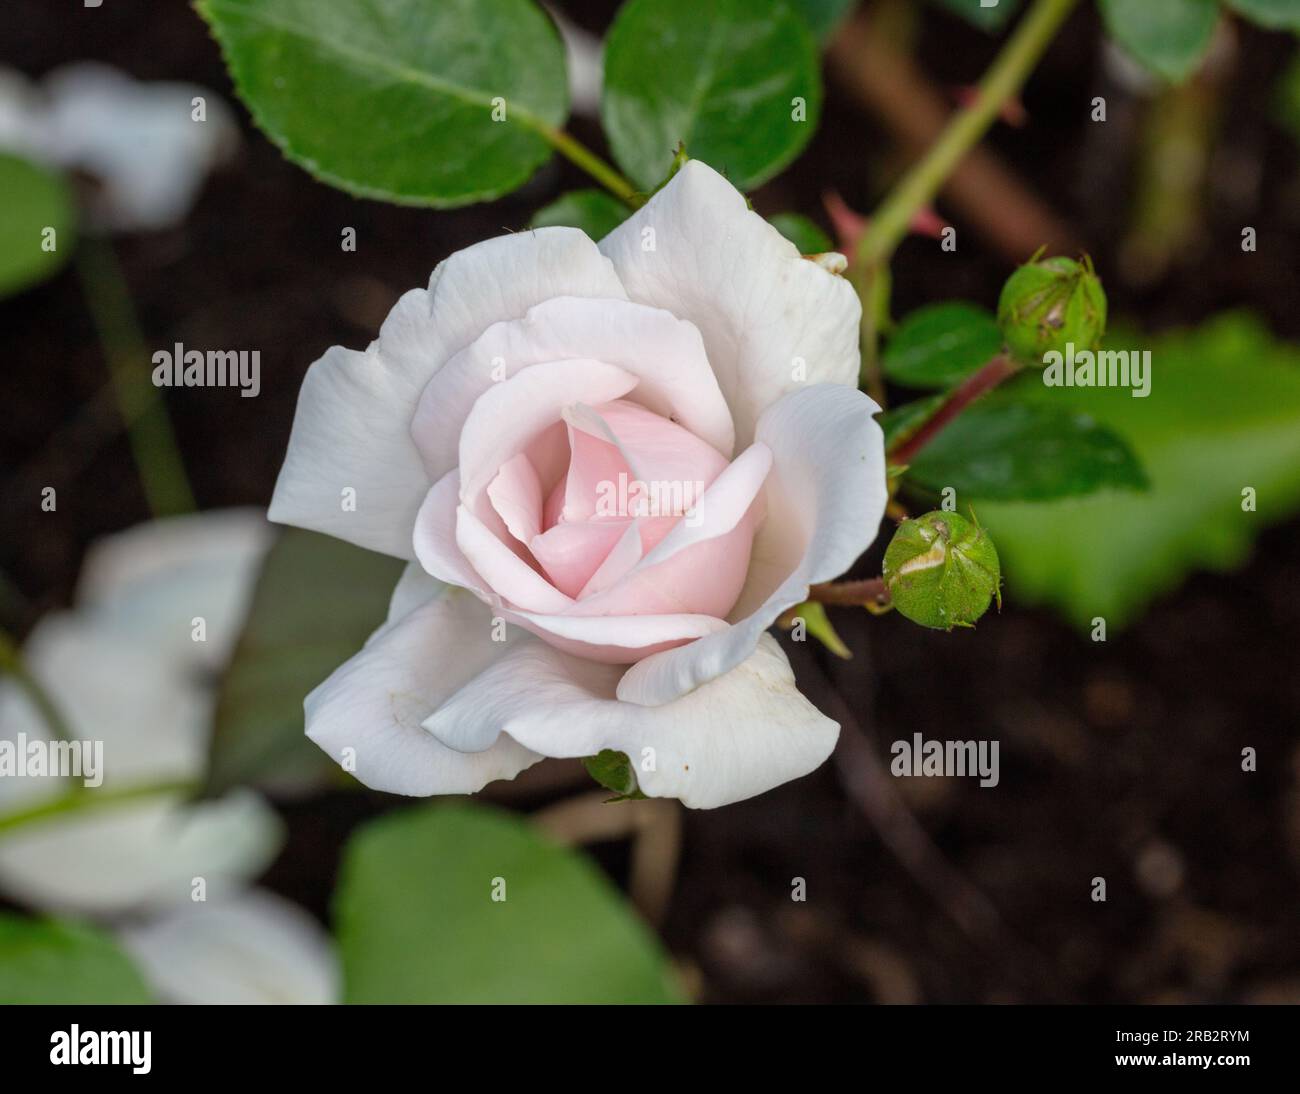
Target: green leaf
(899, 422)
(989, 18)
(1169, 37)
(823, 16)
(613, 770)
(1274, 14)
(594, 211)
(47, 961)
(719, 76)
(417, 922)
(802, 232)
(1223, 415)
(940, 345)
(395, 100)
(1003, 449)
(34, 199)
(316, 602)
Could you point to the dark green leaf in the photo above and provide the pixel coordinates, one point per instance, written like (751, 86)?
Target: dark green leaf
(940, 345)
(802, 232)
(418, 923)
(1274, 14)
(594, 211)
(1223, 415)
(990, 18)
(1169, 37)
(48, 961)
(33, 201)
(720, 76)
(317, 600)
(613, 770)
(1007, 450)
(396, 100)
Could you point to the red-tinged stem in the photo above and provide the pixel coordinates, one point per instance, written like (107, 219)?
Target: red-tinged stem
(970, 389)
(851, 593)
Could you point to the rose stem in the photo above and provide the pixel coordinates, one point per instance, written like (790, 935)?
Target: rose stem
(996, 202)
(1003, 80)
(149, 429)
(970, 389)
(577, 153)
(851, 594)
(83, 798)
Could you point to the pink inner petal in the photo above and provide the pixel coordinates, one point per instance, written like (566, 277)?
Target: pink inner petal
(549, 454)
(594, 465)
(516, 495)
(655, 448)
(571, 552)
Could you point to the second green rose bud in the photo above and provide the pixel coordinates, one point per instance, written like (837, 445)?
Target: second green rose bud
(1050, 303)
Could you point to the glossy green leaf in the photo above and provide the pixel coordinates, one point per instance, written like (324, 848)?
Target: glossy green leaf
(396, 100)
(594, 211)
(33, 201)
(417, 920)
(45, 961)
(986, 16)
(316, 602)
(724, 77)
(802, 232)
(1027, 451)
(1274, 14)
(1223, 415)
(1169, 37)
(940, 345)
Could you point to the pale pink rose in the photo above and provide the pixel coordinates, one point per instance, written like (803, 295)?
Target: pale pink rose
(612, 467)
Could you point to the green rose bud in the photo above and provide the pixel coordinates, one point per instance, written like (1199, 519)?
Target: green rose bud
(942, 570)
(1048, 303)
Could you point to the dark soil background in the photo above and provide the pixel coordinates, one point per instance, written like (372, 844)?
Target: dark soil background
(1119, 760)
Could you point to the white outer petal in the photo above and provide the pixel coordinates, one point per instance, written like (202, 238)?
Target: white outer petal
(414, 588)
(760, 307)
(739, 735)
(352, 426)
(374, 703)
(825, 496)
(253, 948)
(350, 432)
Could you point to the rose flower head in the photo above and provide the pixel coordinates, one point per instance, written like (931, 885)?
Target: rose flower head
(611, 467)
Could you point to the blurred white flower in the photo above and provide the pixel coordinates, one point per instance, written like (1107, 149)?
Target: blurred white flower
(254, 948)
(123, 668)
(582, 51)
(140, 141)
